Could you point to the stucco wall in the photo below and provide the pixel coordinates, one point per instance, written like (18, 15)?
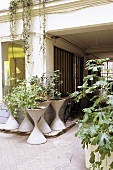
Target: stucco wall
(73, 20)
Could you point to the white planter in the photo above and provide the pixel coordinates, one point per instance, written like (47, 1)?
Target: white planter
(105, 163)
(57, 124)
(42, 125)
(36, 136)
(26, 125)
(11, 123)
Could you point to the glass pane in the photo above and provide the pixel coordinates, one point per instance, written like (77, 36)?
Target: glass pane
(13, 64)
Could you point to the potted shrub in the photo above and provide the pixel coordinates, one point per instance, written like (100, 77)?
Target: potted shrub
(29, 96)
(24, 96)
(96, 127)
(52, 83)
(42, 124)
(10, 101)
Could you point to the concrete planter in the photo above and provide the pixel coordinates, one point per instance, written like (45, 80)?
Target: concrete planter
(57, 124)
(42, 125)
(105, 163)
(36, 136)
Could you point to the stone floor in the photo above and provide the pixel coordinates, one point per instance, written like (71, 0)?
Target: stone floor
(58, 153)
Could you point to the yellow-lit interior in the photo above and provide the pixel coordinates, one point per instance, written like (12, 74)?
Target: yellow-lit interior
(15, 51)
(16, 66)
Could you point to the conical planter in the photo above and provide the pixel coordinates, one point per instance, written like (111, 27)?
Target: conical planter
(26, 125)
(42, 125)
(57, 124)
(36, 136)
(11, 123)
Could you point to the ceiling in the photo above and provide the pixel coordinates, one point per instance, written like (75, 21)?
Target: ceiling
(98, 43)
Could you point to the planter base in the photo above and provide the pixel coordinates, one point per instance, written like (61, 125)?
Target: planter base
(43, 126)
(57, 124)
(36, 137)
(26, 125)
(11, 123)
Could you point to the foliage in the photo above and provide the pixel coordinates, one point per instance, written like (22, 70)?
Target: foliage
(29, 93)
(10, 101)
(52, 83)
(96, 127)
(26, 17)
(24, 96)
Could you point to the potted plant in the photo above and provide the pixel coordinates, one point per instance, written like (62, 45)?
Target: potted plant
(42, 124)
(96, 127)
(29, 96)
(10, 102)
(52, 83)
(24, 96)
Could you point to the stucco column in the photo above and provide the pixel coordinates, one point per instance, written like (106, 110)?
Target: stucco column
(37, 61)
(49, 55)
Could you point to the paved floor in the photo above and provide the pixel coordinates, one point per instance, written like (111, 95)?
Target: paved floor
(62, 153)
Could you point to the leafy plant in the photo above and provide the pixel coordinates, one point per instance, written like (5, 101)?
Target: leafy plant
(96, 127)
(10, 101)
(24, 96)
(51, 84)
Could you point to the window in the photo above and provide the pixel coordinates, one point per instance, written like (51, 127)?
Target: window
(107, 66)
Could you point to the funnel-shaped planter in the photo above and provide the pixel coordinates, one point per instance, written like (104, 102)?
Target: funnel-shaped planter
(36, 136)
(26, 125)
(11, 123)
(57, 124)
(42, 125)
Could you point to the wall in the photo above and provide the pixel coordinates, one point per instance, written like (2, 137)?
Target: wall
(76, 21)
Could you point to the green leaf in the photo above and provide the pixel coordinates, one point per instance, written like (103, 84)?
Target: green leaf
(102, 157)
(110, 99)
(92, 158)
(100, 83)
(105, 140)
(95, 141)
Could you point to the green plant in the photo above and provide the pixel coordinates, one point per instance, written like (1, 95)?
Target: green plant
(26, 17)
(51, 84)
(96, 127)
(10, 101)
(24, 96)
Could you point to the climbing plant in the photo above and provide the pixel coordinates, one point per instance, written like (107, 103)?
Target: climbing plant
(26, 18)
(26, 6)
(42, 15)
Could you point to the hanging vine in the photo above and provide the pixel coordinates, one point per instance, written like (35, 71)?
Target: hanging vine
(26, 17)
(42, 39)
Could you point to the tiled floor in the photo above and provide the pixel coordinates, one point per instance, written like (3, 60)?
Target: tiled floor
(62, 153)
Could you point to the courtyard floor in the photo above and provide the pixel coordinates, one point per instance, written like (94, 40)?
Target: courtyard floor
(58, 153)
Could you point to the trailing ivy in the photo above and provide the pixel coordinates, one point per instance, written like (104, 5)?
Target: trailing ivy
(26, 17)
(42, 15)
